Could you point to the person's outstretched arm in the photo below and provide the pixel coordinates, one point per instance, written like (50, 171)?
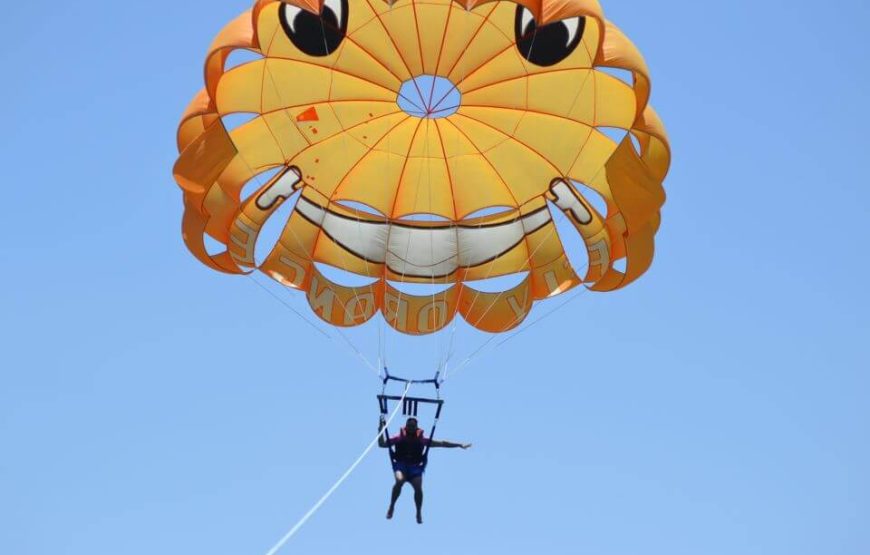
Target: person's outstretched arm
(449, 444)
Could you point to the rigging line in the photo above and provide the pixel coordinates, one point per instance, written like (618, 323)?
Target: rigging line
(383, 327)
(470, 358)
(519, 212)
(466, 362)
(260, 182)
(468, 70)
(492, 338)
(296, 527)
(437, 337)
(443, 353)
(357, 216)
(579, 152)
(395, 316)
(451, 344)
(544, 316)
(347, 340)
(416, 199)
(356, 306)
(546, 238)
(382, 355)
(296, 312)
(350, 344)
(355, 349)
(484, 64)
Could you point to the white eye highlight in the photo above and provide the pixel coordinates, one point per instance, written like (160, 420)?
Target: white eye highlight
(290, 13)
(526, 19)
(337, 7)
(573, 25)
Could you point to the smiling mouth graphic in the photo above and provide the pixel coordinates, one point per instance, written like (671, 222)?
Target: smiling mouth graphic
(423, 250)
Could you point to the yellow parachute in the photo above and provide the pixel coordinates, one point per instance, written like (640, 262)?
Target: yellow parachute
(486, 116)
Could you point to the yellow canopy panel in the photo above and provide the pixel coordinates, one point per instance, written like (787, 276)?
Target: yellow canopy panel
(481, 116)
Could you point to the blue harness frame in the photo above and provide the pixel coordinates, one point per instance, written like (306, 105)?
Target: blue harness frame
(410, 407)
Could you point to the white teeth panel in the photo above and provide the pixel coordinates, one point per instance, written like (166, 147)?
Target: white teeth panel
(422, 251)
(422, 247)
(311, 211)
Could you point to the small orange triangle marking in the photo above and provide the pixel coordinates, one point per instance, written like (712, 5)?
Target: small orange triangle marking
(308, 115)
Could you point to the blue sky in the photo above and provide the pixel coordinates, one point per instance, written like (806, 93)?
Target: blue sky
(720, 405)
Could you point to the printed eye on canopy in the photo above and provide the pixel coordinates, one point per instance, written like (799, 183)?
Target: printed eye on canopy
(544, 11)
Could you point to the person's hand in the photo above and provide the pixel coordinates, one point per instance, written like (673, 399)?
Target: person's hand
(465, 446)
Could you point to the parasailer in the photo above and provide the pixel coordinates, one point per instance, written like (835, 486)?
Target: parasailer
(411, 448)
(424, 142)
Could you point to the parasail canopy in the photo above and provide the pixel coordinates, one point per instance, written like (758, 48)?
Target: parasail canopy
(425, 141)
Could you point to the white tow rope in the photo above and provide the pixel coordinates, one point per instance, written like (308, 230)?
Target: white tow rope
(289, 535)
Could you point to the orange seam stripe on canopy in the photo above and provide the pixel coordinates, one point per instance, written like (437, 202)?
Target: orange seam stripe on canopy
(529, 127)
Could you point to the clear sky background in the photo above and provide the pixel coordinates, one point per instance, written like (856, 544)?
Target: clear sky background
(719, 406)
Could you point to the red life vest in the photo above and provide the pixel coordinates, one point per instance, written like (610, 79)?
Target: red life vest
(410, 449)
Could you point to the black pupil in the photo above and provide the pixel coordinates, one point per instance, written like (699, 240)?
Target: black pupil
(316, 35)
(547, 45)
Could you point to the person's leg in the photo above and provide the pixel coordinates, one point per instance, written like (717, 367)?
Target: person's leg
(417, 483)
(397, 490)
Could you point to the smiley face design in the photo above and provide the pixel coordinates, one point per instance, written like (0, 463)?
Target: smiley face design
(428, 142)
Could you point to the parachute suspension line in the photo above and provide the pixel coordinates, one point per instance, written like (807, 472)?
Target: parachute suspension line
(470, 358)
(382, 358)
(260, 182)
(492, 266)
(561, 214)
(416, 199)
(353, 347)
(287, 305)
(570, 299)
(436, 337)
(343, 335)
(531, 255)
(383, 329)
(344, 141)
(387, 43)
(347, 340)
(549, 233)
(449, 352)
(474, 354)
(442, 314)
(356, 350)
(307, 516)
